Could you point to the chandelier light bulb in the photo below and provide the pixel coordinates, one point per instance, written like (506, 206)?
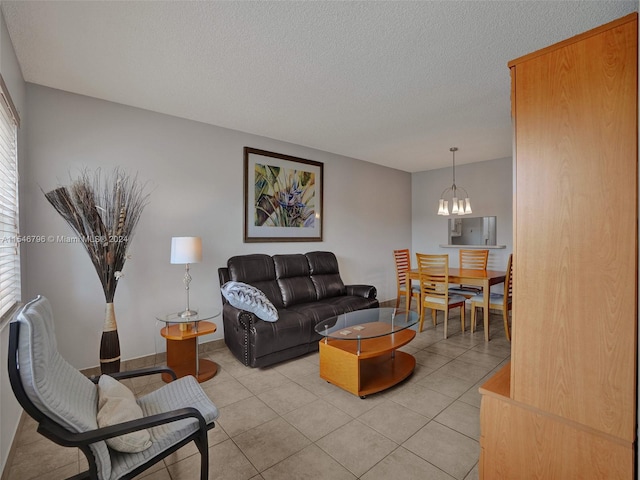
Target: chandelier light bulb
(458, 206)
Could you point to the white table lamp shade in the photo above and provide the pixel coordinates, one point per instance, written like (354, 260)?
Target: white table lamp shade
(186, 250)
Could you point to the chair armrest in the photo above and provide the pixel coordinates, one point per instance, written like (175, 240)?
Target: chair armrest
(71, 439)
(138, 373)
(366, 291)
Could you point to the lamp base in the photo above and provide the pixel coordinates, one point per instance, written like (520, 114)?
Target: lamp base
(188, 314)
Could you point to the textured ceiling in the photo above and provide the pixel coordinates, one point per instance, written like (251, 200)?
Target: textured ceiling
(395, 83)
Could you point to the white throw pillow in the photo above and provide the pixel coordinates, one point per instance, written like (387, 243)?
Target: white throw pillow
(249, 298)
(117, 404)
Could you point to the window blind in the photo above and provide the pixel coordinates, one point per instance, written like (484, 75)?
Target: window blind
(10, 292)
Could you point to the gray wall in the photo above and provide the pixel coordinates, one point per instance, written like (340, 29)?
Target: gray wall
(490, 186)
(195, 173)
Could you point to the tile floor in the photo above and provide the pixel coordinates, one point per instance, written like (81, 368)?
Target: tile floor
(284, 422)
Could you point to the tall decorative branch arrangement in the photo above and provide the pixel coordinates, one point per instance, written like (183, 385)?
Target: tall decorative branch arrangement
(103, 212)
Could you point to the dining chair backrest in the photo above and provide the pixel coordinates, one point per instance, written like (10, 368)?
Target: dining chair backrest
(508, 280)
(403, 265)
(434, 275)
(474, 259)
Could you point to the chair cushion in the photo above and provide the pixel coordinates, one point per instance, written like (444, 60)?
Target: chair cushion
(465, 291)
(453, 299)
(56, 388)
(249, 298)
(494, 299)
(181, 393)
(117, 404)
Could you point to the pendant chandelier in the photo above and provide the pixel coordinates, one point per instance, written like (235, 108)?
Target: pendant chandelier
(458, 206)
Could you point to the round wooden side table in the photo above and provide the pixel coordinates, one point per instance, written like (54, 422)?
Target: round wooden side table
(182, 335)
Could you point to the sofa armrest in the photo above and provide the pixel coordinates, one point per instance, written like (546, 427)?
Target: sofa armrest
(366, 291)
(237, 315)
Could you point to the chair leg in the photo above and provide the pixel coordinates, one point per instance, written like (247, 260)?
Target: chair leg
(409, 297)
(462, 314)
(421, 317)
(505, 317)
(473, 317)
(434, 316)
(446, 321)
(203, 447)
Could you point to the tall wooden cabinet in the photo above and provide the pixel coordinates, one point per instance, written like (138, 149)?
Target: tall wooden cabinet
(565, 408)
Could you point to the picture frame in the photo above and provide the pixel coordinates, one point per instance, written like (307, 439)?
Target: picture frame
(282, 197)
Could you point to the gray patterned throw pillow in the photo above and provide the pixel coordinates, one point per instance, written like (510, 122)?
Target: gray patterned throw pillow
(249, 298)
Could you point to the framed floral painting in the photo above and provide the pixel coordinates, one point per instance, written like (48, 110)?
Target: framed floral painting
(282, 198)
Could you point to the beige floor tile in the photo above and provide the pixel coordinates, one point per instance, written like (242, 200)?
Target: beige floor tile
(316, 385)
(447, 449)
(226, 393)
(162, 474)
(226, 462)
(356, 446)
(446, 384)
(409, 348)
(461, 417)
(261, 380)
(244, 415)
(50, 457)
(27, 431)
(270, 443)
(214, 436)
(155, 472)
(422, 400)
(296, 369)
(431, 360)
(55, 474)
(317, 419)
(287, 397)
(465, 370)
(478, 357)
(221, 375)
(447, 349)
(474, 474)
(394, 421)
(404, 465)
(472, 396)
(309, 463)
(352, 404)
(229, 364)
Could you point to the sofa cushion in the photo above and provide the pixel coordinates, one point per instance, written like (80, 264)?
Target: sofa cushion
(292, 272)
(292, 329)
(325, 274)
(349, 303)
(249, 298)
(257, 270)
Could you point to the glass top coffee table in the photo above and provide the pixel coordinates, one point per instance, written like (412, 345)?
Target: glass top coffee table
(359, 350)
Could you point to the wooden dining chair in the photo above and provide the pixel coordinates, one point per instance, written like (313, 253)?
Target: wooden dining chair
(403, 265)
(472, 259)
(434, 289)
(497, 301)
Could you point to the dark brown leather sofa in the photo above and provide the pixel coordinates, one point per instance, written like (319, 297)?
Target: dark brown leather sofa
(305, 289)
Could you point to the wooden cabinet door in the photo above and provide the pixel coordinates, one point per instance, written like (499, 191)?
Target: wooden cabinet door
(575, 247)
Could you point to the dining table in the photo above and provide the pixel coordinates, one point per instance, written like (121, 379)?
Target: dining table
(467, 276)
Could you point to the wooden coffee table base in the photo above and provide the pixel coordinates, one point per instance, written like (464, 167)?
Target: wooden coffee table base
(378, 366)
